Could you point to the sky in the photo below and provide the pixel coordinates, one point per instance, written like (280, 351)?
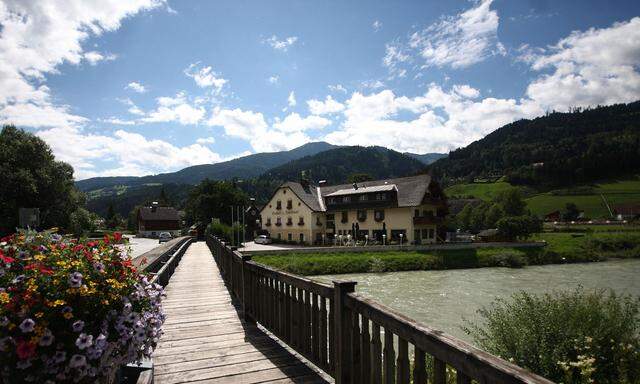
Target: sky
(149, 86)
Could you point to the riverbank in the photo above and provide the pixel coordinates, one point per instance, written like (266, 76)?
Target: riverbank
(562, 248)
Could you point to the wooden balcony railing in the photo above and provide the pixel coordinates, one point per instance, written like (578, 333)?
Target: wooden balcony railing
(427, 220)
(352, 338)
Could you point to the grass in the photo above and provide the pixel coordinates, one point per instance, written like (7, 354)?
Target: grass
(562, 248)
(586, 197)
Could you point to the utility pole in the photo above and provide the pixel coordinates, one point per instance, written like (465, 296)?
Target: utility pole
(232, 234)
(243, 239)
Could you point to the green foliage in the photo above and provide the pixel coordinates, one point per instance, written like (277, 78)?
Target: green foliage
(569, 337)
(571, 212)
(519, 227)
(213, 199)
(557, 149)
(82, 222)
(511, 202)
(506, 203)
(359, 177)
(32, 178)
(493, 215)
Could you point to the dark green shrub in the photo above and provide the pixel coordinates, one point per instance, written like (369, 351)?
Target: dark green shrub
(569, 337)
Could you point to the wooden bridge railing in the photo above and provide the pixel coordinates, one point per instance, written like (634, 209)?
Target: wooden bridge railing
(352, 338)
(162, 261)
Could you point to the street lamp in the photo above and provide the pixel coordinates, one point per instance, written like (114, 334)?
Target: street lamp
(384, 239)
(366, 239)
(401, 239)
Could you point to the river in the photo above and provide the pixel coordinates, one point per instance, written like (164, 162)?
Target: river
(442, 299)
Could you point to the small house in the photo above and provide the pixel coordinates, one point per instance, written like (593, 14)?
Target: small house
(155, 219)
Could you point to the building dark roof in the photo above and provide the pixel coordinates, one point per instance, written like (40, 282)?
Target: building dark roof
(159, 213)
(410, 190)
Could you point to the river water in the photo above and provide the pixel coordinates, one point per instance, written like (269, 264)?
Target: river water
(442, 299)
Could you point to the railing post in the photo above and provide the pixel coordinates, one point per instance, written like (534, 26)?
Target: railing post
(342, 324)
(246, 289)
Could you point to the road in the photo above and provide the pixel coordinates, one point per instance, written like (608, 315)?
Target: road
(251, 246)
(140, 245)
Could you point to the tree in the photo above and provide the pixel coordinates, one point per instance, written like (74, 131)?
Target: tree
(571, 212)
(213, 199)
(112, 220)
(82, 221)
(511, 202)
(464, 217)
(493, 215)
(519, 227)
(32, 178)
(359, 178)
(163, 199)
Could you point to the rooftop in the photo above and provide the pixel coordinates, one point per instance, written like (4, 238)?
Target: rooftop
(364, 189)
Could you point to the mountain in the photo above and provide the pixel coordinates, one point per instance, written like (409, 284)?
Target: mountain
(427, 158)
(335, 166)
(243, 167)
(558, 149)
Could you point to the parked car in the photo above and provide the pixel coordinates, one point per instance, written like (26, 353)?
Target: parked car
(262, 239)
(163, 237)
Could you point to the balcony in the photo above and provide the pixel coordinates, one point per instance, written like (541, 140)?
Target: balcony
(301, 222)
(426, 220)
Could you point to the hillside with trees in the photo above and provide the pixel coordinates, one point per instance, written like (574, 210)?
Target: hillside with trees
(558, 149)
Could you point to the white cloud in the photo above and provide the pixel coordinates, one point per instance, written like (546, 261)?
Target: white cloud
(117, 121)
(597, 66)
(376, 25)
(456, 41)
(280, 45)
(94, 57)
(132, 153)
(136, 87)
(206, 140)
(337, 88)
(329, 105)
(441, 120)
(39, 35)
(294, 123)
(291, 100)
(372, 84)
(175, 109)
(273, 79)
(205, 77)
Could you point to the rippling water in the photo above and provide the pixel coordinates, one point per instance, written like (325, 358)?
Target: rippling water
(441, 299)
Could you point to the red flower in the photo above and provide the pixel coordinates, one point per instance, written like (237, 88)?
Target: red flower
(8, 239)
(117, 236)
(25, 350)
(106, 238)
(46, 270)
(78, 248)
(6, 259)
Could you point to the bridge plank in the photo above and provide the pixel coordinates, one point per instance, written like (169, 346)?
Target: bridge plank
(205, 338)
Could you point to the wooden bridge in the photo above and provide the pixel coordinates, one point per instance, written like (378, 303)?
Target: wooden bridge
(231, 320)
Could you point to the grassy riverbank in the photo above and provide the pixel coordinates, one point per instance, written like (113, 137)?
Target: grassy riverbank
(562, 248)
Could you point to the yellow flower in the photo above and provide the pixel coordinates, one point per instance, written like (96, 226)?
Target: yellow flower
(39, 314)
(4, 297)
(105, 302)
(40, 257)
(68, 315)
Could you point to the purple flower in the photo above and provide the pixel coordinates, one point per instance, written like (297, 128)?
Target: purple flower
(47, 338)
(101, 341)
(18, 279)
(77, 361)
(59, 357)
(27, 325)
(77, 325)
(83, 341)
(24, 364)
(99, 267)
(75, 280)
(4, 321)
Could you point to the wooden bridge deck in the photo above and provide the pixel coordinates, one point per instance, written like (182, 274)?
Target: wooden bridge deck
(206, 340)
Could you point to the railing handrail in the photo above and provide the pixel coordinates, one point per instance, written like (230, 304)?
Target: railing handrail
(330, 325)
(455, 352)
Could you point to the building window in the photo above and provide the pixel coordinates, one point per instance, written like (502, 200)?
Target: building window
(278, 221)
(268, 224)
(425, 234)
(318, 221)
(279, 236)
(378, 215)
(362, 198)
(362, 215)
(289, 221)
(416, 213)
(301, 238)
(346, 199)
(289, 236)
(426, 213)
(395, 234)
(301, 221)
(278, 205)
(345, 217)
(432, 233)
(381, 196)
(289, 204)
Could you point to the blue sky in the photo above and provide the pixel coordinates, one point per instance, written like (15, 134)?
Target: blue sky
(150, 86)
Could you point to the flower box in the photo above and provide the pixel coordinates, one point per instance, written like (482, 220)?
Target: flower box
(73, 311)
